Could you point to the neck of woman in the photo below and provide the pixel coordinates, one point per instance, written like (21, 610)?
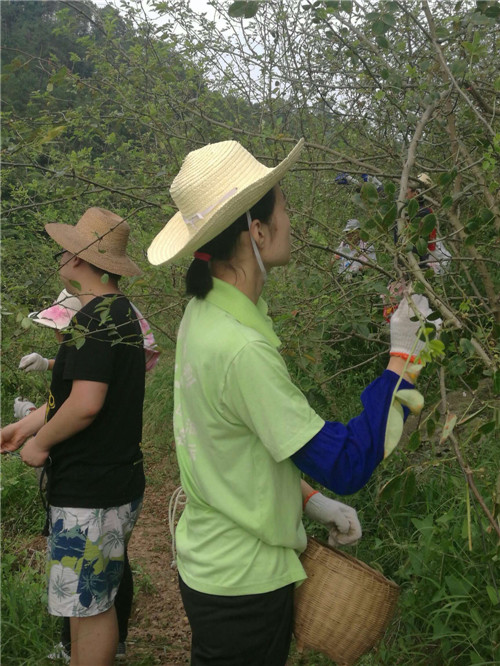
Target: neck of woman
(244, 274)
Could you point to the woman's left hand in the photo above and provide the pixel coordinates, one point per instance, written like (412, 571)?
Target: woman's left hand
(345, 528)
(32, 455)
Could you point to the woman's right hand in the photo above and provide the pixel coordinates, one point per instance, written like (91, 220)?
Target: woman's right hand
(12, 437)
(404, 331)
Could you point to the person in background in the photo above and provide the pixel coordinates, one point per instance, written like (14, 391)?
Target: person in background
(244, 432)
(88, 436)
(424, 183)
(353, 252)
(58, 317)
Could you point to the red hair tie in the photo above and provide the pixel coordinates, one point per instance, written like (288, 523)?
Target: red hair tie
(203, 256)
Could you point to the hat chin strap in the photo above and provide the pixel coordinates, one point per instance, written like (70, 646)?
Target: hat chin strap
(255, 248)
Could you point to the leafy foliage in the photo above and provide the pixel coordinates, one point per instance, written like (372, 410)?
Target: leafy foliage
(100, 107)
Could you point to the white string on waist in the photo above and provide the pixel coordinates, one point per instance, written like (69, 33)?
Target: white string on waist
(178, 500)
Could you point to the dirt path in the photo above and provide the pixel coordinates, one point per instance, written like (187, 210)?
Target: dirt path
(159, 631)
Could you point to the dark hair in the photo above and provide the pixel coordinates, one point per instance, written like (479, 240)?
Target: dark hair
(199, 277)
(100, 271)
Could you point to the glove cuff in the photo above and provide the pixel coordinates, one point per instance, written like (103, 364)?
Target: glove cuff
(306, 500)
(404, 356)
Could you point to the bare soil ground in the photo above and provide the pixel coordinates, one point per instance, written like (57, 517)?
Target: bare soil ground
(159, 631)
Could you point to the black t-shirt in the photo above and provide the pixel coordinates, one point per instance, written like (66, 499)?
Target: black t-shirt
(100, 466)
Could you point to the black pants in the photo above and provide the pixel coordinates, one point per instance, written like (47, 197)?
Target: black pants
(123, 605)
(249, 630)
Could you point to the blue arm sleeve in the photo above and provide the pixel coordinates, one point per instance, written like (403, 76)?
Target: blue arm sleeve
(343, 457)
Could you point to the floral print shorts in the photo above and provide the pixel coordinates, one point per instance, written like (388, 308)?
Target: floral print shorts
(85, 557)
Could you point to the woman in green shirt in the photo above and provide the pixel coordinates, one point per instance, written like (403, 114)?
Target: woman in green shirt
(244, 432)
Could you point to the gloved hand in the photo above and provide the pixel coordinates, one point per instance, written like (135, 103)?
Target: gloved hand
(404, 331)
(34, 363)
(345, 528)
(22, 408)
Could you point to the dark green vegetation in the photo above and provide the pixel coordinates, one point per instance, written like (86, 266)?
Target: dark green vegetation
(100, 107)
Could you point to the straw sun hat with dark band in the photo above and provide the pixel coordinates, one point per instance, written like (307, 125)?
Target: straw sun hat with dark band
(99, 237)
(216, 184)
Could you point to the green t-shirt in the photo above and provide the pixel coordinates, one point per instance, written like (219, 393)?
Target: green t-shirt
(237, 420)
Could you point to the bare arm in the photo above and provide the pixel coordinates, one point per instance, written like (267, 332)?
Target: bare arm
(75, 414)
(14, 435)
(306, 490)
(397, 364)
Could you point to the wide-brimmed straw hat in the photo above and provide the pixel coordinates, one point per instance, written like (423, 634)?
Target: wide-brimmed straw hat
(60, 313)
(352, 225)
(215, 185)
(99, 237)
(424, 179)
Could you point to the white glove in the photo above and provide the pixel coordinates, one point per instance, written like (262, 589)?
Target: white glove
(404, 331)
(22, 408)
(345, 528)
(34, 363)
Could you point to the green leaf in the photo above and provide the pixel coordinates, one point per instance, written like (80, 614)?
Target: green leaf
(383, 42)
(379, 27)
(437, 347)
(493, 595)
(457, 366)
(26, 322)
(447, 202)
(431, 427)
(428, 224)
(390, 488)
(390, 217)
(496, 382)
(445, 178)
(388, 19)
(493, 11)
(470, 240)
(467, 347)
(389, 188)
(76, 285)
(52, 134)
(105, 278)
(487, 427)
(244, 9)
(412, 208)
(409, 488)
(451, 421)
(458, 586)
(79, 341)
(486, 215)
(369, 193)
(421, 246)
(419, 287)
(424, 525)
(414, 441)
(472, 225)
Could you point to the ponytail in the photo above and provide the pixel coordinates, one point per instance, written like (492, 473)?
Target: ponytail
(199, 279)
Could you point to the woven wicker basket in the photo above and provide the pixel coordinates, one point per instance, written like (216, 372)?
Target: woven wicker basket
(344, 606)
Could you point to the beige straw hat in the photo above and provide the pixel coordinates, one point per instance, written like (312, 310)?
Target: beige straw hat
(99, 237)
(424, 179)
(216, 184)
